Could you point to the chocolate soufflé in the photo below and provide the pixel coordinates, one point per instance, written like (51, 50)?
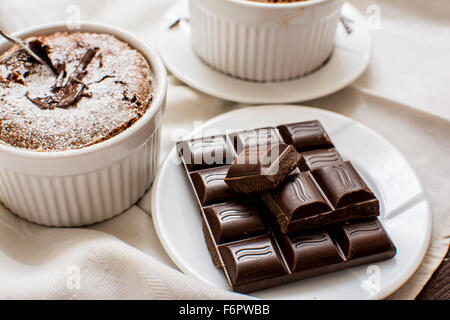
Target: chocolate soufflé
(96, 87)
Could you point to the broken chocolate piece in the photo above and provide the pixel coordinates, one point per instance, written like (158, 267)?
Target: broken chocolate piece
(261, 167)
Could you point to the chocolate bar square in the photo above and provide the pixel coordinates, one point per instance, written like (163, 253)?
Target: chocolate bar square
(211, 187)
(306, 135)
(310, 249)
(343, 185)
(359, 238)
(318, 158)
(235, 220)
(255, 137)
(252, 260)
(298, 197)
(206, 152)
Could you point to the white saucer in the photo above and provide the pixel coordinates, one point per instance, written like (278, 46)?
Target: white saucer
(405, 211)
(350, 59)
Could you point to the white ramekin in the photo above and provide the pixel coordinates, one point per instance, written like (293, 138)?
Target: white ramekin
(262, 41)
(89, 185)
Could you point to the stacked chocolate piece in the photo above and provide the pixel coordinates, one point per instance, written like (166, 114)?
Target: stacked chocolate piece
(280, 204)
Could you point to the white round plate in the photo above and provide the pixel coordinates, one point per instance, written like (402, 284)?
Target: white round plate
(405, 212)
(350, 59)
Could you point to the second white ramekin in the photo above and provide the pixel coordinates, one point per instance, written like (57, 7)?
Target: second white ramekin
(264, 41)
(92, 184)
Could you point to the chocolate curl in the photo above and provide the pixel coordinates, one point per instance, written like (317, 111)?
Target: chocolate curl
(68, 89)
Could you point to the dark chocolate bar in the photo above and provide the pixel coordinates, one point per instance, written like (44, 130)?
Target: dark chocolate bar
(262, 167)
(321, 218)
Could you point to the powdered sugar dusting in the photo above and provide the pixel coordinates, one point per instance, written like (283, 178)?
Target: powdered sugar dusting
(119, 81)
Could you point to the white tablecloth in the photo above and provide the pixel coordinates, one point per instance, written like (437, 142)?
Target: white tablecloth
(403, 96)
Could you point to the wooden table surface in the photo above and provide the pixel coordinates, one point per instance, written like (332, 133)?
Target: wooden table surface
(438, 287)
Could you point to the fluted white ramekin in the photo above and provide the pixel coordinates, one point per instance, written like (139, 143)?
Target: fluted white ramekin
(264, 41)
(92, 184)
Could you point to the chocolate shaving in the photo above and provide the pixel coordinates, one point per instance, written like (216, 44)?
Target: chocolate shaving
(3, 82)
(62, 73)
(100, 80)
(42, 52)
(120, 82)
(87, 58)
(43, 103)
(86, 95)
(68, 89)
(16, 78)
(69, 95)
(177, 22)
(346, 23)
(100, 60)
